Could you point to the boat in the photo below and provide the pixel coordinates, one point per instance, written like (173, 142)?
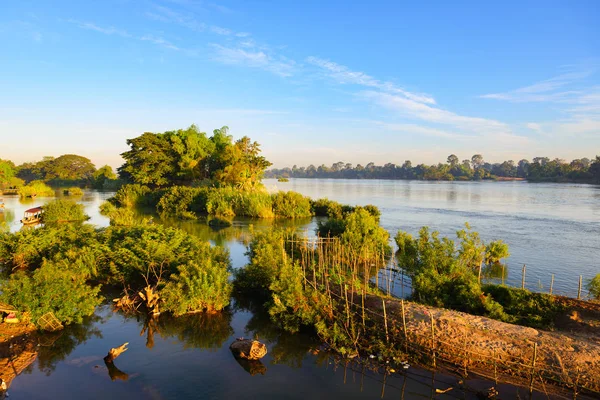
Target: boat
(32, 216)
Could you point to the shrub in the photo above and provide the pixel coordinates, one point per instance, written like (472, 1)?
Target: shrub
(220, 202)
(51, 288)
(255, 204)
(73, 191)
(183, 202)
(523, 307)
(36, 188)
(593, 286)
(266, 253)
(118, 216)
(291, 205)
(326, 208)
(26, 249)
(135, 195)
(62, 210)
(199, 285)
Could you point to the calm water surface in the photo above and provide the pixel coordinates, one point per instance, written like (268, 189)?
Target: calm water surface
(551, 228)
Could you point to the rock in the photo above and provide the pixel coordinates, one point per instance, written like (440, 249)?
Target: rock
(248, 349)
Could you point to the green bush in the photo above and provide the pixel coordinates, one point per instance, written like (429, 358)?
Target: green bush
(118, 216)
(523, 307)
(326, 208)
(61, 210)
(593, 286)
(199, 285)
(36, 188)
(255, 204)
(220, 202)
(73, 191)
(51, 288)
(266, 253)
(183, 202)
(135, 195)
(291, 205)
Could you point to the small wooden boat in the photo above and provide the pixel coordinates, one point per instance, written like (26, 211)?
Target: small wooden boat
(32, 216)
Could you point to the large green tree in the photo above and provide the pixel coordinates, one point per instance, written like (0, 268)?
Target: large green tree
(244, 167)
(193, 149)
(69, 167)
(151, 159)
(7, 171)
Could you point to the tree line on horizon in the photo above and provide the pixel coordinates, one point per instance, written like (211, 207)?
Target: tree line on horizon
(539, 169)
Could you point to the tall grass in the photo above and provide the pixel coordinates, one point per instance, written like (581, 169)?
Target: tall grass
(291, 205)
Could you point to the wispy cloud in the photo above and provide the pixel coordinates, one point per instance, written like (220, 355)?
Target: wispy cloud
(344, 75)
(546, 90)
(110, 30)
(189, 21)
(414, 109)
(255, 59)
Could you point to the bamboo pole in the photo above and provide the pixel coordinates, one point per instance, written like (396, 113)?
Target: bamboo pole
(552, 284)
(433, 340)
(363, 307)
(533, 368)
(404, 325)
(579, 290)
(479, 274)
(347, 306)
(523, 279)
(383, 386)
(387, 337)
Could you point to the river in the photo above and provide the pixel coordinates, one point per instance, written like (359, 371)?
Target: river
(553, 228)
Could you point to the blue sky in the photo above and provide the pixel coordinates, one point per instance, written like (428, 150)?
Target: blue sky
(312, 81)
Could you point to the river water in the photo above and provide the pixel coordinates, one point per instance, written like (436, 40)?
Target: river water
(552, 228)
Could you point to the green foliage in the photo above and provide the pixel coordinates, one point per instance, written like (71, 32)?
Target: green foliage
(69, 167)
(228, 202)
(291, 205)
(183, 202)
(118, 216)
(523, 307)
(326, 208)
(363, 236)
(7, 172)
(51, 288)
(36, 188)
(266, 253)
(199, 285)
(444, 276)
(62, 210)
(220, 203)
(243, 167)
(151, 159)
(135, 196)
(104, 177)
(73, 191)
(26, 249)
(496, 251)
(593, 286)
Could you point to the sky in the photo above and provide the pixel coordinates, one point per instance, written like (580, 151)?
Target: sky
(314, 82)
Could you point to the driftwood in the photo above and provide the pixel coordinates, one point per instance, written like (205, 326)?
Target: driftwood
(113, 372)
(116, 352)
(248, 349)
(151, 299)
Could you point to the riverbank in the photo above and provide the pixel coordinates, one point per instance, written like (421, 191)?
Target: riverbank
(566, 359)
(18, 349)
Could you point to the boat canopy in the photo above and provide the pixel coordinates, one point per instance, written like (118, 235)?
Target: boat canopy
(33, 210)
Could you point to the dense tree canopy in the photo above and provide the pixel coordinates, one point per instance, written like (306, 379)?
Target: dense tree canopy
(540, 169)
(189, 155)
(68, 167)
(7, 172)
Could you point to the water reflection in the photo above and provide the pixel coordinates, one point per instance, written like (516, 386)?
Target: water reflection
(56, 347)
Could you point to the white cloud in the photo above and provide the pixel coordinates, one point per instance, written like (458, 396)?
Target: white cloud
(344, 75)
(413, 109)
(110, 30)
(254, 59)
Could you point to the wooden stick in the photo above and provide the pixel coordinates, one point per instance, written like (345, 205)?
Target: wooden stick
(523, 280)
(433, 340)
(579, 290)
(533, 367)
(387, 337)
(404, 324)
(552, 284)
